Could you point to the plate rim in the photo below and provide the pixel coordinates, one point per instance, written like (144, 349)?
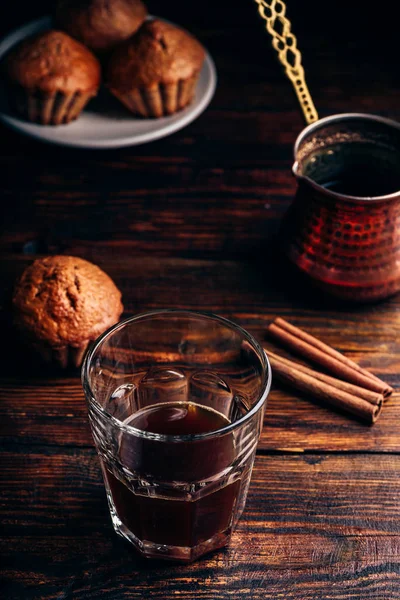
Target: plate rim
(7, 42)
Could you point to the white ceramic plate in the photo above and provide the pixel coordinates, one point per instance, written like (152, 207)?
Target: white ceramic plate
(105, 123)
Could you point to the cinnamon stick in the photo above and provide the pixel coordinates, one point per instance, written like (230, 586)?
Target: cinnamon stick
(327, 393)
(310, 339)
(355, 390)
(326, 359)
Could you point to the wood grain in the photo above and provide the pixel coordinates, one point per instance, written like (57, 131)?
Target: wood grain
(54, 412)
(301, 536)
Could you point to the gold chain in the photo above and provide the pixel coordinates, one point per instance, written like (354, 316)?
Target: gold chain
(285, 43)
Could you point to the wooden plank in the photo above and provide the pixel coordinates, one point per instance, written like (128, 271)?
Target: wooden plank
(302, 534)
(38, 406)
(54, 412)
(251, 292)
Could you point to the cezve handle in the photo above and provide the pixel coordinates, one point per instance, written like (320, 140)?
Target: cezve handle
(285, 43)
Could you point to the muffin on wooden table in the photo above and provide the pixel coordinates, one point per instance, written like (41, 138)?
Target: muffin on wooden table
(100, 24)
(51, 77)
(155, 72)
(61, 304)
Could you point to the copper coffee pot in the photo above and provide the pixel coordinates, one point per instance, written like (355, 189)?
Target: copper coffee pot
(343, 228)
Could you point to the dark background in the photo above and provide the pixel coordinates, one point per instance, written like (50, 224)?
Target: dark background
(218, 187)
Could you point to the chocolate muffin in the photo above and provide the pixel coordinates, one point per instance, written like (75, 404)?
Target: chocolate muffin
(51, 77)
(155, 72)
(61, 303)
(100, 24)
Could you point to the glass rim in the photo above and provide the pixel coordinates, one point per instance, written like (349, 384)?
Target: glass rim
(91, 399)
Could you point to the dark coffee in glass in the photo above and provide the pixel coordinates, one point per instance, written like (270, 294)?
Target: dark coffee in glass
(177, 521)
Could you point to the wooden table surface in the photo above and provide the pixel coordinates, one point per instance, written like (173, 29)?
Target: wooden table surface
(191, 222)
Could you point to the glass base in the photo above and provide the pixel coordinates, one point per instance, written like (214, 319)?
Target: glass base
(181, 530)
(175, 553)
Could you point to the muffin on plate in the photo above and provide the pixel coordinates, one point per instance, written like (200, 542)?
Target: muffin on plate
(61, 303)
(155, 72)
(51, 77)
(100, 24)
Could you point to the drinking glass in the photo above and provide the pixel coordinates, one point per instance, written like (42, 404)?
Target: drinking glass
(176, 496)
